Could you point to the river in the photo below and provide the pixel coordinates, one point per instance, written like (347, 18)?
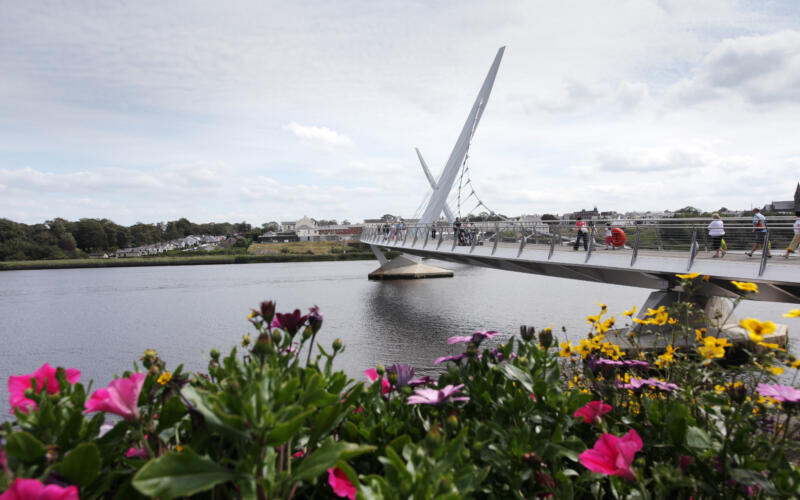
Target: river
(101, 320)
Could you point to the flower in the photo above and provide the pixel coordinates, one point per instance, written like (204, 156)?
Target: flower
(45, 377)
(613, 455)
(667, 358)
(404, 373)
(136, 453)
(164, 378)
(475, 338)
(713, 347)
(746, 286)
(689, 276)
(638, 383)
(566, 349)
(314, 318)
(342, 487)
(372, 374)
(291, 322)
(267, 310)
(120, 397)
(757, 329)
(592, 411)
(436, 397)
(794, 313)
(783, 393)
(630, 313)
(455, 357)
(33, 489)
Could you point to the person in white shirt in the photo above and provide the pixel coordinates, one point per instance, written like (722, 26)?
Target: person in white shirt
(759, 232)
(716, 230)
(792, 248)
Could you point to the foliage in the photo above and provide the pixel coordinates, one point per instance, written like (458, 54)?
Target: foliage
(520, 419)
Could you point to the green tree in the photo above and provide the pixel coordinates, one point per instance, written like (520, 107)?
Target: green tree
(90, 235)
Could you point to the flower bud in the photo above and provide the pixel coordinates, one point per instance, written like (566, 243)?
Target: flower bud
(214, 354)
(546, 337)
(392, 377)
(525, 333)
(268, 310)
(434, 437)
(380, 369)
(315, 319)
(523, 360)
(452, 421)
(726, 410)
(737, 393)
(307, 333)
(337, 344)
(276, 336)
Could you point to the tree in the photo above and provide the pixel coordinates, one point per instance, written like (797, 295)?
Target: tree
(90, 235)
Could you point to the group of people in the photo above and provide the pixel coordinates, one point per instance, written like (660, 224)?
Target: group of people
(716, 231)
(393, 230)
(583, 233)
(464, 232)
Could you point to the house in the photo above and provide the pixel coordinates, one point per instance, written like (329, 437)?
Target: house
(788, 206)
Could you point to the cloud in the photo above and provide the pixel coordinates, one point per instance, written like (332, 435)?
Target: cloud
(322, 135)
(758, 69)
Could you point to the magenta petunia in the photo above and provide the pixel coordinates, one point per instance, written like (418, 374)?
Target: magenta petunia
(45, 378)
(372, 374)
(342, 487)
(475, 338)
(121, 397)
(33, 489)
(136, 453)
(436, 397)
(592, 411)
(785, 393)
(612, 455)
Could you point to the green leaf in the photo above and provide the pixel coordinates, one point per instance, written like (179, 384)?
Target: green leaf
(24, 446)
(198, 399)
(286, 430)
(180, 474)
(520, 376)
(697, 438)
(751, 477)
(171, 413)
(325, 420)
(326, 457)
(81, 465)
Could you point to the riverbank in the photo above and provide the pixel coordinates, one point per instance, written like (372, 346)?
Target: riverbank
(191, 260)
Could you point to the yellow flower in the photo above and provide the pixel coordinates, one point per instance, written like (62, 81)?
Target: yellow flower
(689, 276)
(149, 353)
(661, 319)
(794, 313)
(585, 348)
(769, 345)
(666, 359)
(719, 389)
(643, 321)
(246, 340)
(794, 364)
(164, 378)
(775, 370)
(653, 312)
(746, 286)
(603, 307)
(178, 448)
(713, 347)
(593, 319)
(706, 277)
(698, 334)
(672, 321)
(757, 329)
(566, 349)
(633, 311)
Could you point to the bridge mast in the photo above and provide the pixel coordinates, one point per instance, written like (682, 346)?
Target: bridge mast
(445, 184)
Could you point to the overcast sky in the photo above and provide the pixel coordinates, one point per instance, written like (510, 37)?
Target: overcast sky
(228, 111)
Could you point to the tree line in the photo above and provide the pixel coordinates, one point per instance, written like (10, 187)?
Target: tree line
(63, 239)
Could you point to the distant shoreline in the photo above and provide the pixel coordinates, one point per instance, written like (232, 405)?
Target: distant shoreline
(195, 260)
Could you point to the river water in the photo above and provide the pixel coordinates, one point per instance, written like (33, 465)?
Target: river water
(101, 320)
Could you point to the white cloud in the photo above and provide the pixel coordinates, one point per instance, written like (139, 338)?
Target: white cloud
(323, 135)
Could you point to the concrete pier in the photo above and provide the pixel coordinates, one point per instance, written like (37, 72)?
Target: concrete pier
(406, 268)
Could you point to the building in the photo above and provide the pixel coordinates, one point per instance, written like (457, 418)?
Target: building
(788, 207)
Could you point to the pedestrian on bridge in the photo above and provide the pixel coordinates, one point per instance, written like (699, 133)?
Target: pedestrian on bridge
(760, 233)
(583, 231)
(792, 248)
(716, 230)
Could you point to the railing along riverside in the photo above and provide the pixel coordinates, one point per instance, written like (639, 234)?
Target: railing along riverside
(642, 237)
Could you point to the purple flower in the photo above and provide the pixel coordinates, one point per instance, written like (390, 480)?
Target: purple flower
(404, 373)
(436, 397)
(314, 318)
(785, 393)
(291, 322)
(424, 380)
(267, 310)
(608, 362)
(635, 363)
(476, 338)
(638, 383)
(455, 357)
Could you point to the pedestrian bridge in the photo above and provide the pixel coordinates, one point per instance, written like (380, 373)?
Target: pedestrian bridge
(653, 253)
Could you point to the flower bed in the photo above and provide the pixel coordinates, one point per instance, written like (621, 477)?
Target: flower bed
(526, 418)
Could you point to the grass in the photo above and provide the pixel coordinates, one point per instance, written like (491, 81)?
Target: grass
(298, 253)
(304, 247)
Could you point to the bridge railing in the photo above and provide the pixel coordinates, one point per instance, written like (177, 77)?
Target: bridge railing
(686, 238)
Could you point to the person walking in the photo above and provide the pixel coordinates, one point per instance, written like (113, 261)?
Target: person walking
(716, 230)
(792, 248)
(609, 238)
(580, 224)
(759, 232)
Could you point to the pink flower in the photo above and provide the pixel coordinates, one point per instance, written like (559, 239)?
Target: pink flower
(475, 338)
(342, 487)
(436, 397)
(785, 393)
(592, 411)
(372, 374)
(612, 455)
(136, 453)
(121, 397)
(45, 377)
(33, 489)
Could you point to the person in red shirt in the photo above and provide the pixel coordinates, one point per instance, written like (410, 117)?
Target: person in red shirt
(580, 225)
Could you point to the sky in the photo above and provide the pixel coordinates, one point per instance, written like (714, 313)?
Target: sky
(262, 111)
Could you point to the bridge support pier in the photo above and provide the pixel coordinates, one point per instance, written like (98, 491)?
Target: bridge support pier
(405, 267)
